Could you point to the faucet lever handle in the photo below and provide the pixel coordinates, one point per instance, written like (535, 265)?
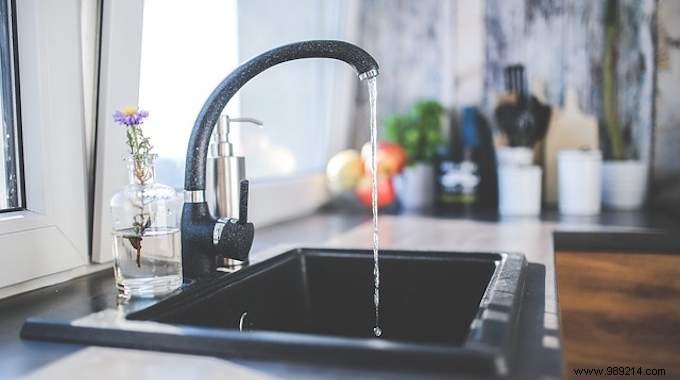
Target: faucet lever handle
(245, 120)
(243, 202)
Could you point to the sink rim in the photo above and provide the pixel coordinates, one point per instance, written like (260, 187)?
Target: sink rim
(490, 340)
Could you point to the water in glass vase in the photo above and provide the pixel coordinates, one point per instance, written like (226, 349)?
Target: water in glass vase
(148, 267)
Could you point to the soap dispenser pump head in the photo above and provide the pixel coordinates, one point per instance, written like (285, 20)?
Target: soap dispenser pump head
(222, 141)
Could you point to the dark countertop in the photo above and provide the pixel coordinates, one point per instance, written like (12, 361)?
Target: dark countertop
(540, 335)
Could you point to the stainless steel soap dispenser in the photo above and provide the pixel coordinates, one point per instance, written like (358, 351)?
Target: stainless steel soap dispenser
(225, 172)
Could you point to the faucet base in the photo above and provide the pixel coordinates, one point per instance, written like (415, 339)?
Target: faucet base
(202, 251)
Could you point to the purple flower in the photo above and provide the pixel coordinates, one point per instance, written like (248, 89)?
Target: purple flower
(130, 116)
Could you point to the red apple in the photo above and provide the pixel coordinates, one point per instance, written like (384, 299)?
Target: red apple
(386, 194)
(391, 158)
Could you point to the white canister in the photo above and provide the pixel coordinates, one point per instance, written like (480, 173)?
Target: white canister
(579, 181)
(519, 190)
(415, 186)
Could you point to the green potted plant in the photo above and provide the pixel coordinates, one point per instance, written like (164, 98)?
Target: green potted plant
(419, 133)
(624, 178)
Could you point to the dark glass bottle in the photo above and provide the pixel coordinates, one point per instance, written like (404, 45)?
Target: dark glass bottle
(465, 176)
(484, 155)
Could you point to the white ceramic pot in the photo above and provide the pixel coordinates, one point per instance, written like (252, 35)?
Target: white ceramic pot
(415, 186)
(519, 190)
(624, 184)
(579, 181)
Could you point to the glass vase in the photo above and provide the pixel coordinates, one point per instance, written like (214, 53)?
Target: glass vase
(146, 233)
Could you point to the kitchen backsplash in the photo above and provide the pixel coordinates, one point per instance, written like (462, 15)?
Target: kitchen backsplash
(455, 51)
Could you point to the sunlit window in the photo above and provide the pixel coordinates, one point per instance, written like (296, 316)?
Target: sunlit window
(187, 49)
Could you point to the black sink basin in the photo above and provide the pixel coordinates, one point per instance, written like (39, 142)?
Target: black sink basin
(437, 308)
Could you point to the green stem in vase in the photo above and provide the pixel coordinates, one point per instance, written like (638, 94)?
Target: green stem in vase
(140, 149)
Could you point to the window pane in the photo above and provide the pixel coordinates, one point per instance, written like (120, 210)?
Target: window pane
(294, 100)
(187, 49)
(10, 179)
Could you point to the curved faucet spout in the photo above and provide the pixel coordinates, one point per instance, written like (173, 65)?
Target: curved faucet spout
(363, 63)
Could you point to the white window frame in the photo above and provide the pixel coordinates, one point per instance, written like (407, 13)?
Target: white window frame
(51, 235)
(120, 57)
(277, 199)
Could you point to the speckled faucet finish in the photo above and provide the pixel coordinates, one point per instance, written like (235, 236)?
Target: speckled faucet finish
(202, 243)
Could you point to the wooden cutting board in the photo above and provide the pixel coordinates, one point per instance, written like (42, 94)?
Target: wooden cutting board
(569, 128)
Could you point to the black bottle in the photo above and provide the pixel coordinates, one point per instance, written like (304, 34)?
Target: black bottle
(484, 156)
(465, 170)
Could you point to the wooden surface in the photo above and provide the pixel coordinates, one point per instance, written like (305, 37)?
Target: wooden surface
(619, 309)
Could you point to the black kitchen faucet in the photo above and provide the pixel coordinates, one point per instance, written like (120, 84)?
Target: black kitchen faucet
(206, 241)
